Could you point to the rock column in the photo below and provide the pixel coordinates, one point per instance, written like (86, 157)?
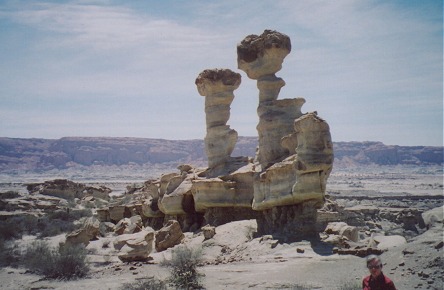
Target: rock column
(314, 158)
(218, 85)
(261, 57)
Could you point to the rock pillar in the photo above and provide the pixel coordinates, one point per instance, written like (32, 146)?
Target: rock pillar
(260, 57)
(218, 85)
(314, 157)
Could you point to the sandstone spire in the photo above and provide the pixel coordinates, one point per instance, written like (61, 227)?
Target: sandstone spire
(217, 85)
(261, 57)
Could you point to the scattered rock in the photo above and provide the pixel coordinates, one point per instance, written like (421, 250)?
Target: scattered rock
(208, 232)
(169, 236)
(135, 247)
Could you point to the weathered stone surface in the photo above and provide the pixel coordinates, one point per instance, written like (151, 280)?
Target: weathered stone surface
(79, 236)
(116, 212)
(67, 189)
(135, 247)
(276, 122)
(59, 187)
(91, 225)
(101, 192)
(103, 214)
(217, 85)
(214, 192)
(88, 231)
(169, 236)
(152, 189)
(343, 230)
(129, 225)
(217, 216)
(208, 232)
(150, 209)
(386, 242)
(434, 217)
(314, 157)
(105, 228)
(288, 223)
(263, 55)
(178, 201)
(164, 181)
(273, 186)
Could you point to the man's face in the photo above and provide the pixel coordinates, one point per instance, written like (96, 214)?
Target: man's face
(374, 266)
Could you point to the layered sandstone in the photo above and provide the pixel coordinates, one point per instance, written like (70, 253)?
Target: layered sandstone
(217, 85)
(261, 57)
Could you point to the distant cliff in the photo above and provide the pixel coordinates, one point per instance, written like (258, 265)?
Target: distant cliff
(45, 154)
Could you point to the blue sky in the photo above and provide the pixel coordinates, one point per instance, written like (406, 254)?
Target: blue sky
(372, 69)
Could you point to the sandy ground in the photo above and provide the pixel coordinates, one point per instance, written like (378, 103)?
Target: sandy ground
(235, 261)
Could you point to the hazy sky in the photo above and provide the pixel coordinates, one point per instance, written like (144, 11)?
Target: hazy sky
(372, 69)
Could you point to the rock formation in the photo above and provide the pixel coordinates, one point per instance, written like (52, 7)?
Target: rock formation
(282, 188)
(135, 247)
(261, 57)
(217, 85)
(67, 189)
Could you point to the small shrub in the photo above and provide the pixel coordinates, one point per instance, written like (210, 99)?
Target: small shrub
(9, 194)
(9, 254)
(66, 262)
(151, 283)
(183, 267)
(60, 221)
(9, 230)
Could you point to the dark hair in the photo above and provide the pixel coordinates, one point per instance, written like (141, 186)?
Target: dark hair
(373, 257)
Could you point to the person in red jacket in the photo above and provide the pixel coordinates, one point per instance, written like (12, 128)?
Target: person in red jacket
(376, 280)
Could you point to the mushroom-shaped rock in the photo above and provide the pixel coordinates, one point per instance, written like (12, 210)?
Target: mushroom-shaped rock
(260, 55)
(218, 85)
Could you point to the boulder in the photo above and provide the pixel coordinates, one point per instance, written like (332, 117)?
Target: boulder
(208, 232)
(135, 247)
(129, 225)
(103, 214)
(116, 212)
(92, 226)
(105, 228)
(169, 236)
(342, 229)
(67, 189)
(433, 217)
(79, 236)
(387, 242)
(88, 231)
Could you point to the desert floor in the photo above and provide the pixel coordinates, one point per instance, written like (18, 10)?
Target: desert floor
(234, 259)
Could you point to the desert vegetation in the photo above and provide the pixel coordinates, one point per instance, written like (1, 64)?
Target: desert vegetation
(64, 262)
(183, 267)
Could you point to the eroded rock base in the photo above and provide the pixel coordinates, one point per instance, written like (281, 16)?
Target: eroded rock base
(289, 223)
(217, 216)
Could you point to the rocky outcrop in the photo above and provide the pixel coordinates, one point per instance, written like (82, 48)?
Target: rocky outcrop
(217, 85)
(434, 217)
(261, 57)
(168, 236)
(68, 189)
(129, 225)
(314, 157)
(135, 247)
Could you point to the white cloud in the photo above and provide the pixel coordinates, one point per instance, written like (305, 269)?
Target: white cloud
(354, 61)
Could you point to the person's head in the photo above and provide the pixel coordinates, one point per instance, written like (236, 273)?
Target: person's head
(374, 265)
